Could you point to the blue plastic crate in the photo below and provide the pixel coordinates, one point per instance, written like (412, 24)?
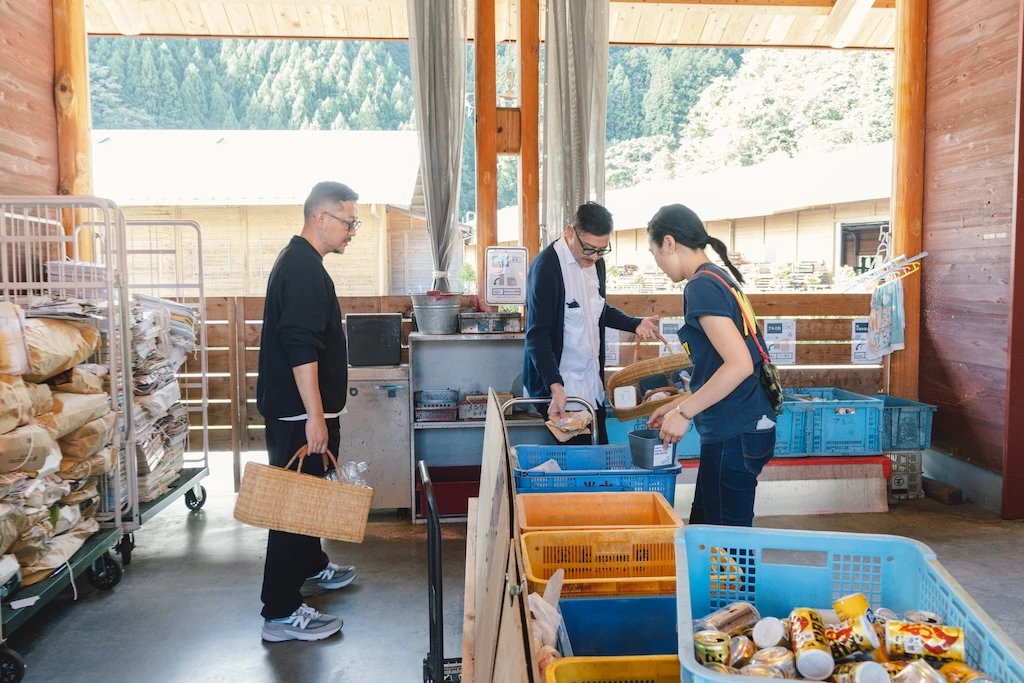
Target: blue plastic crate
(781, 570)
(906, 425)
(841, 422)
(790, 433)
(616, 627)
(590, 468)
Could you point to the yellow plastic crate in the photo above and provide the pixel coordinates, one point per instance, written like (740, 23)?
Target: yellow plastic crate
(580, 511)
(659, 669)
(603, 562)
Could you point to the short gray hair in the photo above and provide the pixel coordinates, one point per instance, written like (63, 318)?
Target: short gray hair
(324, 192)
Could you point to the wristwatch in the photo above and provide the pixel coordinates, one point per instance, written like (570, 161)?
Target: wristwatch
(679, 409)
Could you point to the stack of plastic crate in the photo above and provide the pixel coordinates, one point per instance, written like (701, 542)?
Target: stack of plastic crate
(906, 433)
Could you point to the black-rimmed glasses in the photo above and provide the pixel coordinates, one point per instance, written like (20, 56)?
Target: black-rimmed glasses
(352, 225)
(591, 251)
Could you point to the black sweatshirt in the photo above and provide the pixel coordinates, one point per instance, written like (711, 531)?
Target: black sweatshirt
(301, 324)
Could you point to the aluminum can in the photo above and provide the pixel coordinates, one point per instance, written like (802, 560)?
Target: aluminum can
(919, 616)
(778, 658)
(711, 646)
(860, 672)
(761, 671)
(852, 606)
(771, 632)
(958, 672)
(732, 619)
(919, 672)
(904, 640)
(811, 645)
(853, 637)
(718, 668)
(741, 651)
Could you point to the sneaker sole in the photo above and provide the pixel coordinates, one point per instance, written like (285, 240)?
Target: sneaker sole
(328, 587)
(308, 637)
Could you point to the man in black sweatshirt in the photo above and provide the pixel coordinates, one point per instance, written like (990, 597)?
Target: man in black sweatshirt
(300, 391)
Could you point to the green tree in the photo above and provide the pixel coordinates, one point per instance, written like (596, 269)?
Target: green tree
(168, 94)
(107, 108)
(219, 108)
(195, 108)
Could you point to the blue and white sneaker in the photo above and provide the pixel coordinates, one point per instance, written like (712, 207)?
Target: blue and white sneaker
(305, 623)
(331, 578)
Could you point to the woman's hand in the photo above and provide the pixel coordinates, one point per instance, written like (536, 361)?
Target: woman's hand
(673, 428)
(659, 415)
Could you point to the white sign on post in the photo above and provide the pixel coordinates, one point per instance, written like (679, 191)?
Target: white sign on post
(505, 276)
(780, 336)
(860, 342)
(611, 348)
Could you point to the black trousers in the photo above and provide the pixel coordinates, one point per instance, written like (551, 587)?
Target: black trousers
(292, 558)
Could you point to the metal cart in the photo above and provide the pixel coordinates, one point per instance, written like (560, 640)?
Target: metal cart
(165, 260)
(71, 249)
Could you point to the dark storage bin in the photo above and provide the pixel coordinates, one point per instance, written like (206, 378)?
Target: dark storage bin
(374, 339)
(453, 487)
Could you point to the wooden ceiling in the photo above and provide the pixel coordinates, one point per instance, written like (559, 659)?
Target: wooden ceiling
(771, 23)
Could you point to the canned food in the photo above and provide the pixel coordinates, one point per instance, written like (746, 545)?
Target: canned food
(718, 668)
(936, 643)
(711, 646)
(732, 619)
(779, 658)
(894, 667)
(852, 606)
(958, 672)
(856, 636)
(919, 672)
(761, 671)
(741, 651)
(771, 632)
(811, 645)
(860, 672)
(919, 616)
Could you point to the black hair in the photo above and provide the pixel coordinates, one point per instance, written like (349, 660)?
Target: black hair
(325, 192)
(686, 228)
(594, 219)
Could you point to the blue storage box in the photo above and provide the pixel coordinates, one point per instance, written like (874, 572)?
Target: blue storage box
(590, 468)
(906, 425)
(778, 571)
(840, 422)
(790, 433)
(615, 627)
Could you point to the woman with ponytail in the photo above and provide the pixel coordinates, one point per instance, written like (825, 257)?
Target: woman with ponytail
(729, 407)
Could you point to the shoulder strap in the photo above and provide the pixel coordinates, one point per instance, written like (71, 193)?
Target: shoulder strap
(743, 312)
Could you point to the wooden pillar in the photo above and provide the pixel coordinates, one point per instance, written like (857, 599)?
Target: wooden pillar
(71, 93)
(908, 180)
(1013, 432)
(529, 106)
(486, 97)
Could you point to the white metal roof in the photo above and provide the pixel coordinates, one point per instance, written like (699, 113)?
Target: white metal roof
(778, 186)
(250, 167)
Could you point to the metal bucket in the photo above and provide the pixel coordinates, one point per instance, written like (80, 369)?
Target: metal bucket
(437, 313)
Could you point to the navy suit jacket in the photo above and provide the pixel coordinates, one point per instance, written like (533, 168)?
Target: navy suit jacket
(545, 322)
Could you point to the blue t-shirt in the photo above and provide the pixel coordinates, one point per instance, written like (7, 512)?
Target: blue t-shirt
(740, 411)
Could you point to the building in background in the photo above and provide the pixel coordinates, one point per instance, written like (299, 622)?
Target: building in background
(246, 190)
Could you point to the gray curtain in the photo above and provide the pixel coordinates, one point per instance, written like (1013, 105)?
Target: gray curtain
(437, 46)
(575, 104)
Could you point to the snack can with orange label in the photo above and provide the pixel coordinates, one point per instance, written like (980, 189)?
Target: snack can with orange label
(811, 645)
(924, 641)
(958, 672)
(853, 637)
(853, 606)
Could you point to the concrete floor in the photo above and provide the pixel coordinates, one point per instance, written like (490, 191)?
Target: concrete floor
(188, 606)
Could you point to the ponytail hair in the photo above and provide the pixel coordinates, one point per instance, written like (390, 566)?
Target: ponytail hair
(687, 229)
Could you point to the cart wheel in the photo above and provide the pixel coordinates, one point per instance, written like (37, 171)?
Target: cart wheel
(125, 547)
(12, 666)
(194, 503)
(105, 572)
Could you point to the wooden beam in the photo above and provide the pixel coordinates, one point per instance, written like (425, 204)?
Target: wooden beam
(1013, 432)
(486, 100)
(843, 22)
(71, 94)
(529, 124)
(509, 131)
(908, 181)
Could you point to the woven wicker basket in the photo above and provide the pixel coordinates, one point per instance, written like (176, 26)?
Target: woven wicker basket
(631, 375)
(285, 500)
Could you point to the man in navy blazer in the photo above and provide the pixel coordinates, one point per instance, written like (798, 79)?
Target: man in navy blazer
(567, 314)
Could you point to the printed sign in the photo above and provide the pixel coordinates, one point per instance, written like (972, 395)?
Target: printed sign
(899, 483)
(505, 279)
(662, 456)
(860, 343)
(669, 328)
(611, 348)
(780, 336)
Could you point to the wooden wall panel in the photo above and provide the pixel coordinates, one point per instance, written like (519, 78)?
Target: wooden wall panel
(969, 155)
(28, 116)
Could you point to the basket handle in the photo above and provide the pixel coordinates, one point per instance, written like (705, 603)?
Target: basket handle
(304, 451)
(660, 338)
